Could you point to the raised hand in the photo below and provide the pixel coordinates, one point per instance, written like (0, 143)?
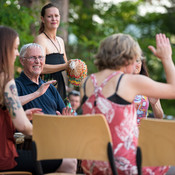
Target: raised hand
(43, 88)
(163, 48)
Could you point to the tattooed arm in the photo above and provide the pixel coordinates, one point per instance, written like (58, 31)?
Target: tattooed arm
(19, 118)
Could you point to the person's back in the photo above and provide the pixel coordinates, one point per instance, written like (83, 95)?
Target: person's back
(114, 98)
(122, 121)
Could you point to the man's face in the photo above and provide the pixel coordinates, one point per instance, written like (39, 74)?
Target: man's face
(75, 101)
(33, 62)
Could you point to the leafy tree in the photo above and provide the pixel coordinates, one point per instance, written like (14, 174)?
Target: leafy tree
(19, 18)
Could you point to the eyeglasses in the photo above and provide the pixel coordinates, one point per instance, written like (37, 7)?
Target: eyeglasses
(34, 58)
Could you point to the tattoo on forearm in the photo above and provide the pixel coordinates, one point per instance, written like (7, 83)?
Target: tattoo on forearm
(13, 102)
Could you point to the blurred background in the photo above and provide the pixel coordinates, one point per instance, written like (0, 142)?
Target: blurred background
(84, 23)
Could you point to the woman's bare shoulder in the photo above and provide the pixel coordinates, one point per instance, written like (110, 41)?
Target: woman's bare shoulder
(40, 38)
(60, 39)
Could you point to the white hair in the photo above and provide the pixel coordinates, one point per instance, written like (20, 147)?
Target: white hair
(24, 48)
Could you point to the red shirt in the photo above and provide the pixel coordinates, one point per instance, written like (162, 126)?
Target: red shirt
(7, 142)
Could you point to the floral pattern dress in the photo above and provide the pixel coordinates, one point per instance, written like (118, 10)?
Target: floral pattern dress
(124, 131)
(142, 104)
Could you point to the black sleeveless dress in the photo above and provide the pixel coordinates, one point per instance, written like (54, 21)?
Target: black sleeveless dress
(56, 58)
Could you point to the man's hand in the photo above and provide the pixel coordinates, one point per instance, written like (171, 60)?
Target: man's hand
(43, 88)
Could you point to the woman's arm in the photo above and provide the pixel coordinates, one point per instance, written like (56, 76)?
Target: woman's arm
(163, 51)
(19, 118)
(156, 107)
(48, 68)
(139, 84)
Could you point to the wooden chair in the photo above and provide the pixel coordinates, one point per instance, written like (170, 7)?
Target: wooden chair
(82, 137)
(156, 143)
(16, 173)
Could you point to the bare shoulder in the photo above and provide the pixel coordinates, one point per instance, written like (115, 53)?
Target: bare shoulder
(60, 39)
(40, 39)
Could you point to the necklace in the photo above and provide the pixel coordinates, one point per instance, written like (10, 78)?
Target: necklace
(59, 50)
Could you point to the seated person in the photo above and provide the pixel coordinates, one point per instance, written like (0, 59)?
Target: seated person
(34, 93)
(74, 98)
(12, 115)
(32, 59)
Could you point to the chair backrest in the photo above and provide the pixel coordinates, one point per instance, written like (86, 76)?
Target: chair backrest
(81, 137)
(157, 143)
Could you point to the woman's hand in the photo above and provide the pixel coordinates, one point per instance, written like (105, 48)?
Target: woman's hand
(30, 112)
(67, 64)
(153, 101)
(163, 48)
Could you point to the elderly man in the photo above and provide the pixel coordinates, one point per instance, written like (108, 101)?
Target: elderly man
(35, 93)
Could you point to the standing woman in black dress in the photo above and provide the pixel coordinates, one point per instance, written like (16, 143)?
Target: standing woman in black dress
(56, 60)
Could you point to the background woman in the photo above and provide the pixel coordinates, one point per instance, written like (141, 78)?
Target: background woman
(56, 59)
(112, 90)
(141, 101)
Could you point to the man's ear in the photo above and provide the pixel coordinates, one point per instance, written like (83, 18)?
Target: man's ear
(21, 61)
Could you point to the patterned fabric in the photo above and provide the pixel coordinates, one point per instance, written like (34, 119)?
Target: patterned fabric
(124, 131)
(142, 104)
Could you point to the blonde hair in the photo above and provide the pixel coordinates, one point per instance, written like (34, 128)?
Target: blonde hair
(117, 50)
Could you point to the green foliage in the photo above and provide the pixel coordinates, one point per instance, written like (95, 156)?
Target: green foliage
(119, 18)
(20, 19)
(91, 21)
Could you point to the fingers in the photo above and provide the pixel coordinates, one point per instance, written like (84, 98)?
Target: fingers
(67, 111)
(153, 50)
(33, 110)
(58, 113)
(50, 82)
(163, 49)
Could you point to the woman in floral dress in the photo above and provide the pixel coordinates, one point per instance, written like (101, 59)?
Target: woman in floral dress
(111, 92)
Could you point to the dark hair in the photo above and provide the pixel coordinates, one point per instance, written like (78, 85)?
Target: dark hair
(117, 50)
(7, 39)
(144, 69)
(74, 92)
(43, 10)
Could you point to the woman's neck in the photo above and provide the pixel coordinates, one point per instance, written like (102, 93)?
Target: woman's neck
(50, 34)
